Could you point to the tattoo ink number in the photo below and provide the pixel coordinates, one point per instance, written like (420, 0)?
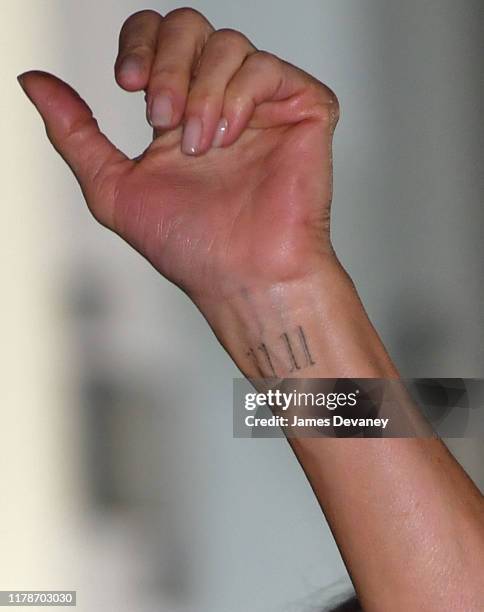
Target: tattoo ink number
(263, 348)
(304, 344)
(297, 351)
(292, 358)
(294, 347)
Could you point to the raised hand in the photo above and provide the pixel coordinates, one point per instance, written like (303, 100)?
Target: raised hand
(235, 189)
(231, 201)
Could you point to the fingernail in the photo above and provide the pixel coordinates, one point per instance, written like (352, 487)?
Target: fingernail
(20, 79)
(131, 63)
(161, 112)
(191, 136)
(220, 133)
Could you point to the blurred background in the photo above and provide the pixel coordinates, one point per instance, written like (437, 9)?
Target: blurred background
(113, 480)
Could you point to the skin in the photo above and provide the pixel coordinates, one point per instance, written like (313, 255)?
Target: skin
(231, 201)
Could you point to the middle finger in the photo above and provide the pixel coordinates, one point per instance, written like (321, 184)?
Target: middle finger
(181, 38)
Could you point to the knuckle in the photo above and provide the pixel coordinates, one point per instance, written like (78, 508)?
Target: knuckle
(78, 131)
(145, 14)
(332, 97)
(187, 14)
(325, 114)
(331, 111)
(236, 101)
(139, 18)
(265, 61)
(335, 112)
(230, 37)
(325, 104)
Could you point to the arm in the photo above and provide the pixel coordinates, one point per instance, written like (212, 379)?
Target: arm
(408, 521)
(231, 201)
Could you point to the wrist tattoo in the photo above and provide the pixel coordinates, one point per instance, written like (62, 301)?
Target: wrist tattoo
(264, 350)
(290, 354)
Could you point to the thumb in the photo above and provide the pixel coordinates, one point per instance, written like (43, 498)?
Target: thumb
(74, 133)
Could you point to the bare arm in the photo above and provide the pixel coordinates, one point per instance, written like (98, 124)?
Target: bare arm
(231, 201)
(407, 519)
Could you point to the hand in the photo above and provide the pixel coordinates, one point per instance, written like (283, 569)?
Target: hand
(235, 189)
(231, 201)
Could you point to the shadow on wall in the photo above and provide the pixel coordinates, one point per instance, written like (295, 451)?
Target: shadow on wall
(123, 433)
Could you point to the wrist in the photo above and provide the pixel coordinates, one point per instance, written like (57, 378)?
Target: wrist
(311, 326)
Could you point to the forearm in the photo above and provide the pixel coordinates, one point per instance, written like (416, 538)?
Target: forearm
(408, 521)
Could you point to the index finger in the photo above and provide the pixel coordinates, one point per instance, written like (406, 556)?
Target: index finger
(137, 48)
